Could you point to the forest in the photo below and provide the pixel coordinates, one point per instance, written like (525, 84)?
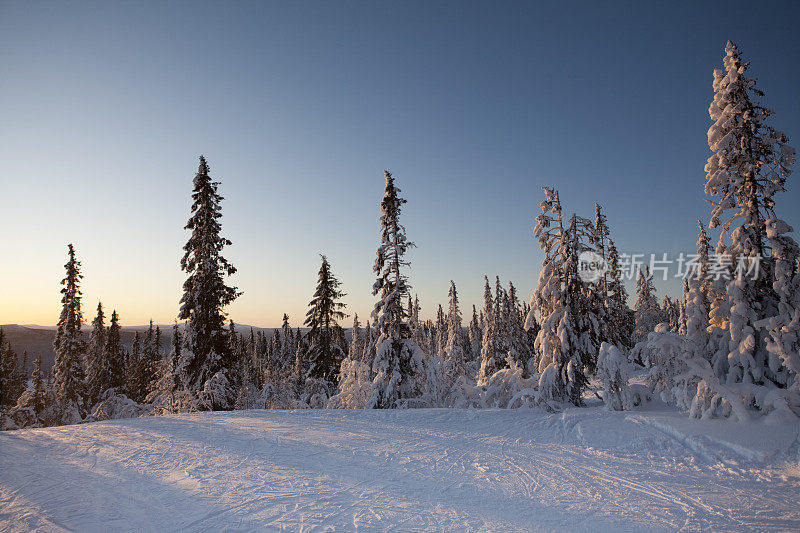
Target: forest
(729, 348)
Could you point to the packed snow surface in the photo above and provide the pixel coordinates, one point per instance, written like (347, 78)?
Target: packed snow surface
(504, 470)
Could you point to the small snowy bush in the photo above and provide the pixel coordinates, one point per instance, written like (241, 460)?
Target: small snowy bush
(612, 369)
(117, 406)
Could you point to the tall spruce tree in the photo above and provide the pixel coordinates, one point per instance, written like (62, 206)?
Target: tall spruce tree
(205, 294)
(749, 165)
(326, 340)
(69, 347)
(567, 343)
(398, 362)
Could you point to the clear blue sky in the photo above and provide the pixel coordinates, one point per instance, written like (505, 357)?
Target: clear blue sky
(299, 106)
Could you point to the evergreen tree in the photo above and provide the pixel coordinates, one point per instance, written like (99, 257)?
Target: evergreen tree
(115, 354)
(455, 357)
(69, 347)
(749, 165)
(567, 343)
(35, 403)
(368, 354)
(441, 333)
(256, 368)
(517, 340)
(356, 348)
(98, 370)
(493, 354)
(647, 312)
(475, 333)
(11, 376)
(205, 294)
(704, 265)
(682, 308)
(148, 366)
(132, 377)
(414, 323)
(39, 389)
(325, 337)
(23, 370)
(398, 363)
(177, 348)
(236, 370)
(621, 319)
(670, 315)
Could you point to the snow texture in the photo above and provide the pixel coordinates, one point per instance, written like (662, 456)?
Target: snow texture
(523, 470)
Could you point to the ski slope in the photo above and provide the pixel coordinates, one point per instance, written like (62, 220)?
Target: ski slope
(583, 469)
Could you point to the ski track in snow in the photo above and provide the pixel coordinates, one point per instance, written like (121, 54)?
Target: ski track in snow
(520, 470)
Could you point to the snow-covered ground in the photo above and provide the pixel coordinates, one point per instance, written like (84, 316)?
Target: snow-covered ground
(583, 469)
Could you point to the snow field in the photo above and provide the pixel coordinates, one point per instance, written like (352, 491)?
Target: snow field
(421, 470)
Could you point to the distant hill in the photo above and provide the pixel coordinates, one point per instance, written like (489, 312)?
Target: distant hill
(38, 340)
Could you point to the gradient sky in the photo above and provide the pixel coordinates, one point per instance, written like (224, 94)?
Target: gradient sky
(299, 106)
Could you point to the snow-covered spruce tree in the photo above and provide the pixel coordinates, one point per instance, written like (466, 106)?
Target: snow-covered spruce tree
(567, 340)
(146, 371)
(399, 364)
(604, 308)
(671, 313)
(698, 294)
(235, 370)
(519, 351)
(455, 382)
(132, 367)
(703, 262)
(531, 327)
(11, 382)
(255, 347)
(647, 313)
(115, 354)
(356, 347)
(175, 352)
(368, 351)
(280, 379)
(325, 337)
(35, 405)
(69, 348)
(355, 380)
(416, 326)
(441, 333)
(39, 396)
(612, 370)
(682, 309)
(475, 334)
(181, 399)
(621, 318)
(250, 371)
(97, 365)
(749, 166)
(162, 392)
(493, 349)
(205, 294)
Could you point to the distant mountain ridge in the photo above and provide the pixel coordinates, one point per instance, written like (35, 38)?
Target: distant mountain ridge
(38, 340)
